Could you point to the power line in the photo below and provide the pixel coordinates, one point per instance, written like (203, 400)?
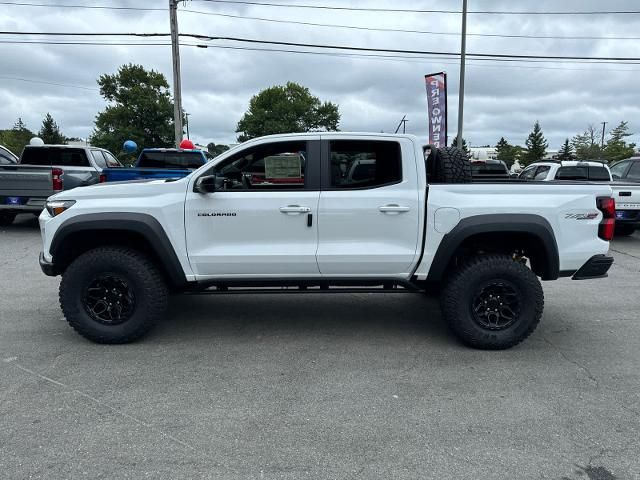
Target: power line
(49, 83)
(400, 30)
(352, 27)
(420, 52)
(409, 10)
(476, 56)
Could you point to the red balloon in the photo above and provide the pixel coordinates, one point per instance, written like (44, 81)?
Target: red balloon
(187, 144)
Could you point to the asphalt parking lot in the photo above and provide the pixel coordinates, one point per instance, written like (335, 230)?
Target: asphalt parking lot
(312, 386)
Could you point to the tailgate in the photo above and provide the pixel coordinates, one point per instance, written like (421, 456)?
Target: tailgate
(25, 180)
(627, 196)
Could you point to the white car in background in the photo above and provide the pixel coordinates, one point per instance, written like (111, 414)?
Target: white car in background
(626, 194)
(567, 170)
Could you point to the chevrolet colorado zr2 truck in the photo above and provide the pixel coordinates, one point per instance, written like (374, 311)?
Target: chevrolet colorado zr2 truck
(329, 213)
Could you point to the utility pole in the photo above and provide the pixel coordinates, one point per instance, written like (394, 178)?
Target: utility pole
(177, 84)
(602, 140)
(463, 53)
(186, 117)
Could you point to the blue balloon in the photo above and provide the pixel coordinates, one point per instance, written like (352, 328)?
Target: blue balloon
(129, 146)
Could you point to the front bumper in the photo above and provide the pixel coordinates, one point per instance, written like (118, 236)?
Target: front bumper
(48, 268)
(596, 267)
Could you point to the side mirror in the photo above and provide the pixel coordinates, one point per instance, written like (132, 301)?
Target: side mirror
(205, 184)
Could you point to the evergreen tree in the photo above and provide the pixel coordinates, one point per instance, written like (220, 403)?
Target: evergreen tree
(506, 152)
(616, 147)
(536, 146)
(50, 132)
(566, 151)
(464, 145)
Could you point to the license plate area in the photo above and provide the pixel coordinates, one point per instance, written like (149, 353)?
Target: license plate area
(13, 201)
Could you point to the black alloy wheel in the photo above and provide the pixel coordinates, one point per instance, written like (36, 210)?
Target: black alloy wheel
(496, 305)
(109, 299)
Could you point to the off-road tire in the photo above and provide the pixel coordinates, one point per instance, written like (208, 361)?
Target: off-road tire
(142, 276)
(7, 218)
(452, 166)
(461, 290)
(624, 230)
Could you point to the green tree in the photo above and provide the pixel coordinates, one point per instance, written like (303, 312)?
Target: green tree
(586, 145)
(464, 147)
(506, 152)
(566, 151)
(216, 150)
(16, 138)
(536, 146)
(139, 108)
(616, 147)
(286, 109)
(50, 132)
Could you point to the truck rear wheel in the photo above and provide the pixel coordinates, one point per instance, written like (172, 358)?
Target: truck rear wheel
(493, 302)
(452, 166)
(6, 218)
(112, 295)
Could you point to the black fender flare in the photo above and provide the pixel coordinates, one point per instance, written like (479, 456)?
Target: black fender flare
(530, 224)
(140, 223)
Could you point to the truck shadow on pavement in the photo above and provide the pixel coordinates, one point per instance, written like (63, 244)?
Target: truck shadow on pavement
(401, 316)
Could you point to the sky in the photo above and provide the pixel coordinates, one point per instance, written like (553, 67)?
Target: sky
(502, 99)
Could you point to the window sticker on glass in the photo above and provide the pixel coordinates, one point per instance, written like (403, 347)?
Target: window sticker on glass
(283, 166)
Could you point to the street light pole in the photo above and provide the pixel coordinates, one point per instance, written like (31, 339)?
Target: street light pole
(177, 84)
(463, 52)
(604, 124)
(186, 118)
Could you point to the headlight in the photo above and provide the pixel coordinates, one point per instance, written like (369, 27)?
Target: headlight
(56, 207)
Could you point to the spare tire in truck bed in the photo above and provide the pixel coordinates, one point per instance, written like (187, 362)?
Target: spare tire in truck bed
(449, 165)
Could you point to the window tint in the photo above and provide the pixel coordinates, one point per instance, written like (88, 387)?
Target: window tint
(364, 164)
(542, 172)
(66, 157)
(599, 174)
(99, 158)
(479, 168)
(273, 166)
(634, 171)
(619, 169)
(572, 173)
(178, 160)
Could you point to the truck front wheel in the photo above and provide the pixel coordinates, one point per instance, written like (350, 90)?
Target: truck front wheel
(493, 302)
(112, 295)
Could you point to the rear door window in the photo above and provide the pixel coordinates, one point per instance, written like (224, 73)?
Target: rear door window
(111, 160)
(528, 173)
(98, 157)
(364, 163)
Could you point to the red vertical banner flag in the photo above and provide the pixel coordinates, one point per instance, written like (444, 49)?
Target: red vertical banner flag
(437, 108)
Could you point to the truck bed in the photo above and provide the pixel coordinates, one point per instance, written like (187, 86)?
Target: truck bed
(125, 174)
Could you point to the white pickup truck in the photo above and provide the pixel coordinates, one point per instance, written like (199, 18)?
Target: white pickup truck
(329, 213)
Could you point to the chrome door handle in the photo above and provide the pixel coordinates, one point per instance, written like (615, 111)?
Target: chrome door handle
(294, 209)
(393, 208)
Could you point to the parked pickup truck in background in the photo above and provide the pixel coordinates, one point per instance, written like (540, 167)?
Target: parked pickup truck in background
(159, 163)
(625, 192)
(7, 157)
(396, 222)
(44, 170)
